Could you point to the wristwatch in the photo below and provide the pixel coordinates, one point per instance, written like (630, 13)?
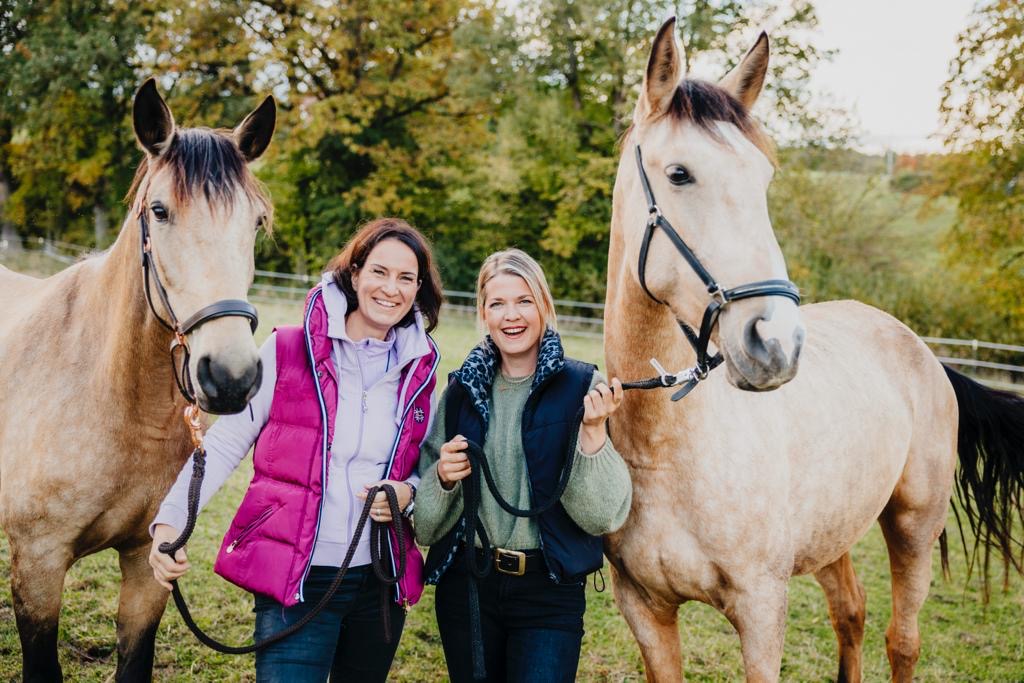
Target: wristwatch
(407, 512)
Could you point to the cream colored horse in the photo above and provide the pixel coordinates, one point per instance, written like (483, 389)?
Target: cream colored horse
(91, 429)
(736, 491)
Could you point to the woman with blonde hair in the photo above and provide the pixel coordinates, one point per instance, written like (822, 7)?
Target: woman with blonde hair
(518, 396)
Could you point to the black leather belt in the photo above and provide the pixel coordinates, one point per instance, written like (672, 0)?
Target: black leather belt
(514, 562)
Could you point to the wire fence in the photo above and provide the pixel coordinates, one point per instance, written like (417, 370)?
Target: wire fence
(1000, 366)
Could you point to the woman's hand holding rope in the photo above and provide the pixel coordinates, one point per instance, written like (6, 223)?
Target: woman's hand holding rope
(453, 465)
(165, 567)
(599, 403)
(381, 510)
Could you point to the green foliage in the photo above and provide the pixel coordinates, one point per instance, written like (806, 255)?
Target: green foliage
(847, 235)
(67, 75)
(490, 124)
(983, 110)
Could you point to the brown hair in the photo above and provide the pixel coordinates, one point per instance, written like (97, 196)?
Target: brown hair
(358, 248)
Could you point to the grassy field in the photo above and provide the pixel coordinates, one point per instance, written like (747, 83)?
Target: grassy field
(962, 639)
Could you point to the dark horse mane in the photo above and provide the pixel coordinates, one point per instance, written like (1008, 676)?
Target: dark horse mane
(704, 104)
(206, 161)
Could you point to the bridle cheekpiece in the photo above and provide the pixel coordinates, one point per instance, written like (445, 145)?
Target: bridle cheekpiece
(720, 296)
(218, 309)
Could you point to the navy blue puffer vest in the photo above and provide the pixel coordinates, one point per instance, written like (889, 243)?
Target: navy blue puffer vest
(548, 420)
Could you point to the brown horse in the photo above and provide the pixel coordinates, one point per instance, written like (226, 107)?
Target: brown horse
(736, 491)
(91, 429)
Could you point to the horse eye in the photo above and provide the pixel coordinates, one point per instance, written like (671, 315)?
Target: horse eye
(159, 212)
(260, 222)
(678, 175)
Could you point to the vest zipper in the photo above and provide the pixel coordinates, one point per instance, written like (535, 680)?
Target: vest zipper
(394, 452)
(250, 528)
(300, 596)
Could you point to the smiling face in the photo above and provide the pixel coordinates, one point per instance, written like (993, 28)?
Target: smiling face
(513, 318)
(385, 286)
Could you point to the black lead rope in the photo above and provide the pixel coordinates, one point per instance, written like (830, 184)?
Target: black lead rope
(379, 560)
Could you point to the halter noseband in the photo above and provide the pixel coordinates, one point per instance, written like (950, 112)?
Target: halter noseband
(720, 297)
(218, 309)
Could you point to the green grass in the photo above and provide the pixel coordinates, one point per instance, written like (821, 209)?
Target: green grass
(962, 639)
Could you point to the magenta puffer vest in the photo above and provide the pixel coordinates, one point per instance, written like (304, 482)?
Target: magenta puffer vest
(269, 546)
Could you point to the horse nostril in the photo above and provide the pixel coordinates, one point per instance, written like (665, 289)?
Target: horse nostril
(766, 352)
(226, 391)
(752, 338)
(205, 374)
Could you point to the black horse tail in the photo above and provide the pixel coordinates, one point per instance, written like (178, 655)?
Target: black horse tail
(990, 483)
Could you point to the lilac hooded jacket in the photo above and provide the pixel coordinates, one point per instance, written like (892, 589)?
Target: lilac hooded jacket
(269, 547)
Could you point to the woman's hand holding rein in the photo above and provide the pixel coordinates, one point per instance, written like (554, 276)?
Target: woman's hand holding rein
(599, 403)
(165, 567)
(381, 512)
(453, 464)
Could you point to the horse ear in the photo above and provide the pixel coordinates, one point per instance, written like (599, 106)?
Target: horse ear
(664, 71)
(746, 79)
(254, 133)
(153, 122)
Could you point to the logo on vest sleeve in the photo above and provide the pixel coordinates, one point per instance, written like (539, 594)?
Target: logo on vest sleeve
(418, 414)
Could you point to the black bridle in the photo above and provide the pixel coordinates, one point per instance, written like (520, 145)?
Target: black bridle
(720, 296)
(218, 309)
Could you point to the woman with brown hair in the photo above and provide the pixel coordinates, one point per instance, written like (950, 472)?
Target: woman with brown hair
(344, 405)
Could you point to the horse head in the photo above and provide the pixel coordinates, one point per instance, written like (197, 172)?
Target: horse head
(199, 208)
(708, 166)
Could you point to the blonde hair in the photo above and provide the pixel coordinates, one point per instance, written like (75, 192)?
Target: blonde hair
(516, 262)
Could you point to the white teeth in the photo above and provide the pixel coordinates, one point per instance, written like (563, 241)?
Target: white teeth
(512, 331)
(385, 304)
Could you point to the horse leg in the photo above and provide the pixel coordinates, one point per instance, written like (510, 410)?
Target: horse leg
(845, 595)
(655, 627)
(142, 602)
(37, 580)
(758, 613)
(909, 535)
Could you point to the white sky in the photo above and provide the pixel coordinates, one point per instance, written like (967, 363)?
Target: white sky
(893, 59)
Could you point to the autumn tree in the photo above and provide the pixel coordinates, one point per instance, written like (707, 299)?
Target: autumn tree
(579, 64)
(370, 123)
(67, 79)
(983, 114)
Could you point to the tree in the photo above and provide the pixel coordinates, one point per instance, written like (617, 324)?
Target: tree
(68, 77)
(578, 64)
(983, 115)
(369, 121)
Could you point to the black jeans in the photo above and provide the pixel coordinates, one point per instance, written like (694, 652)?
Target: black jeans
(532, 627)
(346, 640)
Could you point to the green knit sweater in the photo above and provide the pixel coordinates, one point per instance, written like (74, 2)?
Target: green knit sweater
(597, 496)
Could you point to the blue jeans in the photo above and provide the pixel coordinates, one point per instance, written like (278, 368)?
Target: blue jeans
(532, 627)
(345, 641)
